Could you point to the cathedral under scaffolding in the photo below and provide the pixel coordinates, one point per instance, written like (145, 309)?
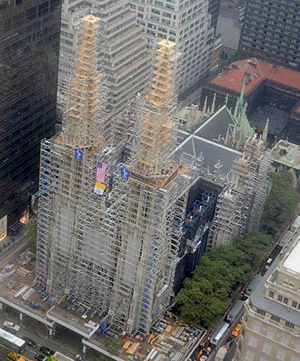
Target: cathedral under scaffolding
(113, 235)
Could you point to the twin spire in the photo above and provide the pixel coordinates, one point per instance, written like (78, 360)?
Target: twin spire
(156, 140)
(83, 124)
(162, 89)
(83, 119)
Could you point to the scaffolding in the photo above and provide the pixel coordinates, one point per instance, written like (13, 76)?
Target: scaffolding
(113, 245)
(240, 204)
(154, 211)
(260, 165)
(76, 228)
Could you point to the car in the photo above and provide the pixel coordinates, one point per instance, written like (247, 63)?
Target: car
(15, 357)
(11, 326)
(46, 351)
(268, 263)
(30, 342)
(40, 357)
(237, 330)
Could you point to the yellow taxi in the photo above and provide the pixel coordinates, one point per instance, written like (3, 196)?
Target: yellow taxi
(237, 330)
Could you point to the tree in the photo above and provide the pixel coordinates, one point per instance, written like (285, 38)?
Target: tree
(207, 294)
(281, 203)
(199, 304)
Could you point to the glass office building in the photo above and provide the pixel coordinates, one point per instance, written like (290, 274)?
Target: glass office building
(29, 46)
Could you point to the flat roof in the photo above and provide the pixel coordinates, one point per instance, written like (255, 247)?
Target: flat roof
(292, 262)
(286, 153)
(259, 300)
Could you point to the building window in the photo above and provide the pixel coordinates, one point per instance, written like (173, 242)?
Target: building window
(271, 294)
(289, 324)
(280, 354)
(260, 311)
(285, 339)
(249, 355)
(275, 318)
(256, 326)
(267, 347)
(270, 332)
(264, 358)
(285, 300)
(280, 298)
(253, 341)
(294, 304)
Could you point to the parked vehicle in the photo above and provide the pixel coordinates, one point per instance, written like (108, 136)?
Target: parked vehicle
(12, 340)
(268, 263)
(219, 333)
(221, 354)
(15, 356)
(40, 357)
(30, 342)
(11, 326)
(235, 310)
(237, 330)
(253, 284)
(46, 351)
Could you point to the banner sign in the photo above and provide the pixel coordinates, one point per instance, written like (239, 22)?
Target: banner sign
(99, 188)
(125, 173)
(78, 155)
(101, 172)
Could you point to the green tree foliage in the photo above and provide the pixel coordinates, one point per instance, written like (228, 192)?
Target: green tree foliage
(224, 269)
(281, 203)
(209, 292)
(51, 358)
(199, 303)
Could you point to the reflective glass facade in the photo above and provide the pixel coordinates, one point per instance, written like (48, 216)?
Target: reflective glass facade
(29, 45)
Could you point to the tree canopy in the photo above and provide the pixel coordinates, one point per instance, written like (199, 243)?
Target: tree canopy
(208, 293)
(281, 203)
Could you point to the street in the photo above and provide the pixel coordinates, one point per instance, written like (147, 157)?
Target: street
(64, 341)
(9, 253)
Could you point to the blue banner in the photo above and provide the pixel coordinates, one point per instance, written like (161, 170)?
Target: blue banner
(78, 155)
(125, 173)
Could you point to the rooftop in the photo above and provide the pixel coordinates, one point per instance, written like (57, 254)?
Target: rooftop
(287, 154)
(292, 261)
(216, 126)
(259, 300)
(288, 258)
(278, 119)
(204, 141)
(255, 72)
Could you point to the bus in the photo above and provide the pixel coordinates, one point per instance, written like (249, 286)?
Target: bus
(219, 333)
(12, 340)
